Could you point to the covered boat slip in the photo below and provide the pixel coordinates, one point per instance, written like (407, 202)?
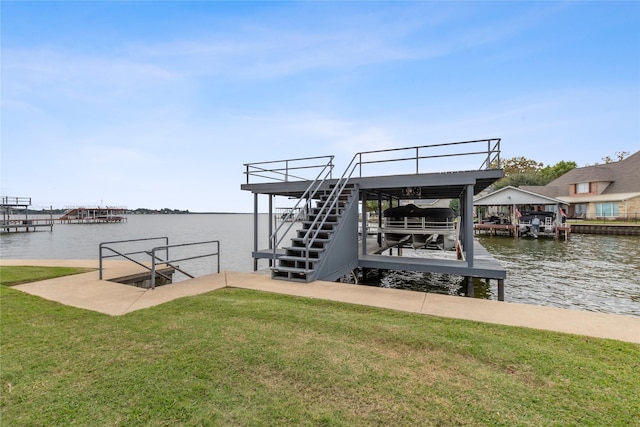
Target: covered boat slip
(514, 210)
(328, 211)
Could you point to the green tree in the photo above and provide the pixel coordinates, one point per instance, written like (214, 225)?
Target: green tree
(549, 173)
(519, 165)
(455, 205)
(519, 171)
(620, 155)
(372, 205)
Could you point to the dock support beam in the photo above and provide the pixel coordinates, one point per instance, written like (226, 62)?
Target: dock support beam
(364, 222)
(467, 219)
(470, 291)
(255, 229)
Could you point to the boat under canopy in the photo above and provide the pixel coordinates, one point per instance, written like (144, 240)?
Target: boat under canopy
(430, 228)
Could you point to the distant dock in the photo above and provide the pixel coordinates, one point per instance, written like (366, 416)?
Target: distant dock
(512, 230)
(15, 216)
(94, 215)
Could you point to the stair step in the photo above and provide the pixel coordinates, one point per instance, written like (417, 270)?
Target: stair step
(298, 242)
(290, 273)
(313, 252)
(297, 263)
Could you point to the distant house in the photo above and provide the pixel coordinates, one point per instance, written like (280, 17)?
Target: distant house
(611, 190)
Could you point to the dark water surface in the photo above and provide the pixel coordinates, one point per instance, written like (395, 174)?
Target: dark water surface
(588, 272)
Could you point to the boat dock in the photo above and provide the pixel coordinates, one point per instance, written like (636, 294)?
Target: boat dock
(328, 243)
(15, 216)
(512, 230)
(94, 215)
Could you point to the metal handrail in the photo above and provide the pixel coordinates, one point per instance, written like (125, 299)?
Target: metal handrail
(168, 262)
(307, 196)
(252, 169)
(417, 224)
(154, 256)
(333, 197)
(16, 201)
(126, 255)
(492, 154)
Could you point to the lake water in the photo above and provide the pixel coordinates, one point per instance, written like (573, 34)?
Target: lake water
(588, 272)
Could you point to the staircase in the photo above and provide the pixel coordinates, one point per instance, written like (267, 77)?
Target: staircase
(326, 248)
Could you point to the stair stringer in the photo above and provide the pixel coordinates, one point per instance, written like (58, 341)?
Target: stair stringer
(341, 253)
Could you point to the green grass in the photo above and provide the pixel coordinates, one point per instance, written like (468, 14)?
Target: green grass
(15, 275)
(239, 357)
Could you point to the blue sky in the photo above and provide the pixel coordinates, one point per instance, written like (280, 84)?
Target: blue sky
(159, 104)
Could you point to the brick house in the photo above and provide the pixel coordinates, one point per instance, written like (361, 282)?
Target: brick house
(610, 190)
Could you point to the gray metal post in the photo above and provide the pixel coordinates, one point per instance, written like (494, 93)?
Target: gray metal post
(153, 269)
(379, 219)
(255, 229)
(270, 223)
(364, 222)
(467, 218)
(100, 262)
(470, 290)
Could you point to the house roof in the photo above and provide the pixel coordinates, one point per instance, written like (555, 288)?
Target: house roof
(600, 198)
(624, 177)
(515, 196)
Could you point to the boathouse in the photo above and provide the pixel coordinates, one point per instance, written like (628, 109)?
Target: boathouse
(510, 210)
(323, 241)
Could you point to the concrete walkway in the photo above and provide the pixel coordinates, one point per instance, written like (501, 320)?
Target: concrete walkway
(88, 292)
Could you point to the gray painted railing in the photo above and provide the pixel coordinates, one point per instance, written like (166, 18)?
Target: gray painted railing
(154, 253)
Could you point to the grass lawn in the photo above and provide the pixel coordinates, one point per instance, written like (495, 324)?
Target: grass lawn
(15, 275)
(239, 357)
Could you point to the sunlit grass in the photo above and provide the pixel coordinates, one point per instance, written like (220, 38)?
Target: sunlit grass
(239, 357)
(15, 275)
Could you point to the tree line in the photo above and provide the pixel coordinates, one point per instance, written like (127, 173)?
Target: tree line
(519, 171)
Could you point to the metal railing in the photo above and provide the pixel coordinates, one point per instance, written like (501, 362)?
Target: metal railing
(489, 150)
(281, 170)
(154, 254)
(306, 199)
(415, 224)
(157, 260)
(327, 208)
(15, 201)
(116, 253)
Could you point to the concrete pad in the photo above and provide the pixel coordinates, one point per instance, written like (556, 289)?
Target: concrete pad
(600, 325)
(376, 297)
(88, 292)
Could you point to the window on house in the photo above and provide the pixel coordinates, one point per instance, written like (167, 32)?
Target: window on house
(606, 209)
(580, 210)
(582, 187)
